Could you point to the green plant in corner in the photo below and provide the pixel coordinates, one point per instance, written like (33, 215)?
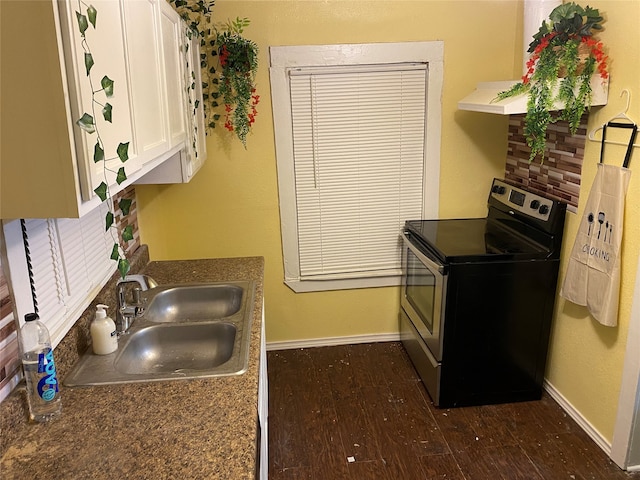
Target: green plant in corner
(239, 64)
(564, 57)
(229, 63)
(88, 123)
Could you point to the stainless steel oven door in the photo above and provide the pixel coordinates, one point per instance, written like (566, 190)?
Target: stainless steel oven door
(424, 288)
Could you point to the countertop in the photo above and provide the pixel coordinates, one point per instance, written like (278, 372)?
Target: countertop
(192, 429)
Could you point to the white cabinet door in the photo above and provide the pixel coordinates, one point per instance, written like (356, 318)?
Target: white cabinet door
(172, 46)
(186, 115)
(196, 152)
(143, 42)
(105, 44)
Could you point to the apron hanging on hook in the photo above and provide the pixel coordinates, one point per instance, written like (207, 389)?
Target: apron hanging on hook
(593, 273)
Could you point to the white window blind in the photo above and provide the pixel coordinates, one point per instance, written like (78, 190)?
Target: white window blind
(69, 264)
(359, 160)
(357, 135)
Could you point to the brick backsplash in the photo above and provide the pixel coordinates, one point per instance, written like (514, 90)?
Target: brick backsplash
(131, 219)
(9, 363)
(558, 175)
(9, 355)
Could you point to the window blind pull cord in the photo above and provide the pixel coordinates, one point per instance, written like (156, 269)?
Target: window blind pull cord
(27, 251)
(314, 140)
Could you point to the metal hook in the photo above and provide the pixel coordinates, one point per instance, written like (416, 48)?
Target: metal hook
(624, 90)
(613, 122)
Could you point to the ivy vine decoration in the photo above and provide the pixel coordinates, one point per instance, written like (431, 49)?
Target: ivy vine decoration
(229, 63)
(197, 16)
(564, 57)
(194, 103)
(88, 123)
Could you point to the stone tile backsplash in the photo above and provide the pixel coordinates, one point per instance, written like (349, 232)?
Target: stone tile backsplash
(558, 175)
(9, 363)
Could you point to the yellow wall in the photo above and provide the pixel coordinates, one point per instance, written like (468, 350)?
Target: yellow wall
(231, 207)
(586, 358)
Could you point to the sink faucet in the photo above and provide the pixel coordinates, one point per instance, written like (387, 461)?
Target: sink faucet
(126, 312)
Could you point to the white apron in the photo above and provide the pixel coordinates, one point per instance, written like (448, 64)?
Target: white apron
(593, 273)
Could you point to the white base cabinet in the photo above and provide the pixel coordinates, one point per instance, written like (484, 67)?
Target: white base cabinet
(263, 406)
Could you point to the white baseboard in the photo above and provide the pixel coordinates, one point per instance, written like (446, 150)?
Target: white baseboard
(331, 341)
(589, 429)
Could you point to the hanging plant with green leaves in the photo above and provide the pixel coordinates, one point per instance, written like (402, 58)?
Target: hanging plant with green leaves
(564, 57)
(238, 66)
(229, 64)
(89, 123)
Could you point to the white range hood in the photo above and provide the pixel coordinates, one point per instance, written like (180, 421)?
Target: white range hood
(483, 98)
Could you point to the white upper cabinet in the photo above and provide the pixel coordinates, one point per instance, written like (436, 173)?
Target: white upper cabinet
(47, 160)
(186, 112)
(174, 68)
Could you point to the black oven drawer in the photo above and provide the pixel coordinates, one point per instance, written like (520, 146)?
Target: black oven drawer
(426, 365)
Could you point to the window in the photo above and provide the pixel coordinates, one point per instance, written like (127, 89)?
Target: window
(357, 143)
(69, 265)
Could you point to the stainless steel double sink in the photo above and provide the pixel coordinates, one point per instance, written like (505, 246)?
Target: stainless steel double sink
(186, 331)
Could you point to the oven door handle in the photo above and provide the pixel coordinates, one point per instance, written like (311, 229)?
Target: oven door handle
(421, 256)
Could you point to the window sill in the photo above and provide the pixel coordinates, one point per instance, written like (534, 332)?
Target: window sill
(303, 286)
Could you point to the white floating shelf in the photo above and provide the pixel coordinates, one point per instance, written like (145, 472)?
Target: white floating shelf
(481, 100)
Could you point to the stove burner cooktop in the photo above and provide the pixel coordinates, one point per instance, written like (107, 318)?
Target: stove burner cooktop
(469, 239)
(520, 225)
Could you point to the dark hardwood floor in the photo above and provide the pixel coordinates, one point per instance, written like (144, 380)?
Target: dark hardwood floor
(360, 412)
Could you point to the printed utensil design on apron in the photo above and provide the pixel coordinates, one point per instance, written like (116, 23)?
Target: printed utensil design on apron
(593, 274)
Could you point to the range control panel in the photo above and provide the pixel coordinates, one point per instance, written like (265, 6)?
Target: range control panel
(521, 200)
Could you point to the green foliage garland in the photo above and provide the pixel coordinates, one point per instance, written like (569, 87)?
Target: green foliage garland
(229, 63)
(89, 124)
(563, 55)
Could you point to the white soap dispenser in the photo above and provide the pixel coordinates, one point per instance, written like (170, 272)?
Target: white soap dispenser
(103, 333)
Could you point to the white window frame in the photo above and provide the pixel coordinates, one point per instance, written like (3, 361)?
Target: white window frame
(288, 57)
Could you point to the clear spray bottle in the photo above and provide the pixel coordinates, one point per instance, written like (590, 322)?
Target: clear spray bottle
(43, 388)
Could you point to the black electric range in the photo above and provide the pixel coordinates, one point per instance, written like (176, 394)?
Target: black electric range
(478, 297)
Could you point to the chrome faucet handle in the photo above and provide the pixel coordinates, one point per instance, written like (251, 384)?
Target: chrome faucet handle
(127, 313)
(136, 295)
